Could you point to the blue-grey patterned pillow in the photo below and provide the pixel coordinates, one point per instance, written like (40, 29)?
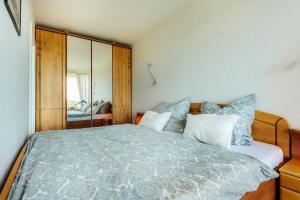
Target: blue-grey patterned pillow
(179, 112)
(245, 107)
(209, 108)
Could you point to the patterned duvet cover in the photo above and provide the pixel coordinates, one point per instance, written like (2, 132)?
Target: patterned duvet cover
(128, 162)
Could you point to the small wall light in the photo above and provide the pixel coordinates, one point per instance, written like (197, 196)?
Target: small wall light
(152, 76)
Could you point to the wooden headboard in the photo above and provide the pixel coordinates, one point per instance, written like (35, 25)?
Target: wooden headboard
(268, 128)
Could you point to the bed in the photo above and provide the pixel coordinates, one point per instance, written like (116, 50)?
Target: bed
(88, 117)
(144, 164)
(83, 119)
(269, 154)
(78, 119)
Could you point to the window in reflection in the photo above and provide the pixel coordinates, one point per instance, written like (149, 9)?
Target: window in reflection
(77, 90)
(78, 81)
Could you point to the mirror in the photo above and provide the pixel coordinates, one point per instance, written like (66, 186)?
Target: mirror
(78, 81)
(101, 82)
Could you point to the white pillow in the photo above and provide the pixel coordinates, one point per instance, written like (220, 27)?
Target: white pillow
(211, 128)
(88, 111)
(85, 107)
(154, 120)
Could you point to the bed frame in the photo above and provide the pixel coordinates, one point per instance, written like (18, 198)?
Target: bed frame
(89, 123)
(266, 128)
(271, 129)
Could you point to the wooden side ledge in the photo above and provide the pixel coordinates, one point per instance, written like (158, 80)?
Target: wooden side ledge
(12, 175)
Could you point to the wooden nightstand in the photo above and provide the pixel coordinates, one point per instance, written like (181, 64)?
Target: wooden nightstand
(290, 180)
(290, 172)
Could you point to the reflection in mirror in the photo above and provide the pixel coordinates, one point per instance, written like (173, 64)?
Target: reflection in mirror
(78, 80)
(102, 82)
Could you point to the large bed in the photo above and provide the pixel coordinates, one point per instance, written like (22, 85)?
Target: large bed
(133, 162)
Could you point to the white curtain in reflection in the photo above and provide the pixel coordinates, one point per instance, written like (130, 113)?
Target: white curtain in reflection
(77, 87)
(83, 85)
(73, 92)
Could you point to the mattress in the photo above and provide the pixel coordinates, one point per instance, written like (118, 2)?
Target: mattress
(269, 154)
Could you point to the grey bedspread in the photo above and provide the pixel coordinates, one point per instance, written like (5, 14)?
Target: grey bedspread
(77, 113)
(129, 162)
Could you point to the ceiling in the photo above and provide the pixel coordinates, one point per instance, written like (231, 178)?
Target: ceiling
(119, 20)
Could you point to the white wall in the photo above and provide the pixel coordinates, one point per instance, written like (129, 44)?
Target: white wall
(220, 50)
(14, 85)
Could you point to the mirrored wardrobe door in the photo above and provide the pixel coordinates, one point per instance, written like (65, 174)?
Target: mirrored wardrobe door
(79, 105)
(101, 83)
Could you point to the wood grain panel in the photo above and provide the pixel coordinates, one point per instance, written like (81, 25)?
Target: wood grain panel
(290, 182)
(283, 137)
(263, 132)
(295, 134)
(291, 168)
(286, 194)
(266, 191)
(86, 37)
(121, 85)
(51, 119)
(195, 108)
(267, 117)
(13, 173)
(51, 70)
(50, 80)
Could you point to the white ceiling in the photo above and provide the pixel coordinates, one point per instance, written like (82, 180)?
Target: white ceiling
(120, 20)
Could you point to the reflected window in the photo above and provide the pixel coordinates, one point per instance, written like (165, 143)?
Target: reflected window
(73, 88)
(77, 90)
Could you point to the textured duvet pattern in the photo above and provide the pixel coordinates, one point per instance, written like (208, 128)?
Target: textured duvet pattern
(129, 162)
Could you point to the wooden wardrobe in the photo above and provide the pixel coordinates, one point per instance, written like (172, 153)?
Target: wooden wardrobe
(121, 85)
(51, 64)
(50, 80)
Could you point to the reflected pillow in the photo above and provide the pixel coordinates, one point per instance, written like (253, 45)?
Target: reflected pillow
(97, 108)
(105, 108)
(86, 107)
(154, 120)
(211, 128)
(88, 111)
(96, 103)
(245, 107)
(179, 111)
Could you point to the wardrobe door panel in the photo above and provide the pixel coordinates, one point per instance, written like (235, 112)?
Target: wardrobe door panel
(51, 119)
(50, 80)
(121, 85)
(51, 94)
